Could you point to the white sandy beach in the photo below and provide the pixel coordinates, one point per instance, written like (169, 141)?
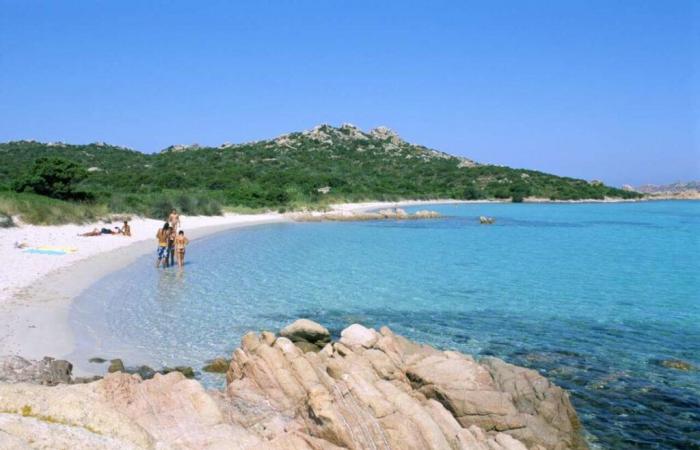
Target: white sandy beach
(21, 269)
(37, 290)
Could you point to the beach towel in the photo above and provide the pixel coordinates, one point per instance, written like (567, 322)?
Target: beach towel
(50, 250)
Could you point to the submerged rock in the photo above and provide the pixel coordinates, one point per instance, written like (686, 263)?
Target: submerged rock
(116, 365)
(145, 372)
(97, 360)
(217, 365)
(187, 371)
(83, 380)
(677, 364)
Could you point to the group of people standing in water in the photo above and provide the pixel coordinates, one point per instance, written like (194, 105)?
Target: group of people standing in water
(171, 242)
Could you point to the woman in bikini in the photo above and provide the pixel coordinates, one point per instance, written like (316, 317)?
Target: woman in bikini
(180, 243)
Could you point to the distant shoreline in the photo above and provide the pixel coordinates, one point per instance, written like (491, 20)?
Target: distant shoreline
(35, 313)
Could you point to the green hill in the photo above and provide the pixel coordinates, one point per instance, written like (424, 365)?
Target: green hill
(316, 167)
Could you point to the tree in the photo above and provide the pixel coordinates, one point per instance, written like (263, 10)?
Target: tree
(471, 192)
(54, 177)
(519, 191)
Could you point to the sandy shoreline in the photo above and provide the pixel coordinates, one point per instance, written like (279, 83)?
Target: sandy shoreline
(37, 291)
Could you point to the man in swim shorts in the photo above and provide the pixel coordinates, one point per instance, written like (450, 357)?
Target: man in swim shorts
(174, 220)
(163, 235)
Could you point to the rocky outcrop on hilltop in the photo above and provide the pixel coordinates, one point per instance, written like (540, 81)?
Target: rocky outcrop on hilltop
(678, 187)
(179, 148)
(381, 141)
(689, 190)
(369, 390)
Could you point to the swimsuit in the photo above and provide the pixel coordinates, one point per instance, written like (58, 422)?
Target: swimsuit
(162, 248)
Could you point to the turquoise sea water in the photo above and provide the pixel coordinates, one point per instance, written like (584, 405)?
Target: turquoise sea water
(591, 295)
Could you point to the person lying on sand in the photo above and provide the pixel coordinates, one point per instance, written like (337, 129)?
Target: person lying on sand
(163, 235)
(99, 232)
(180, 243)
(94, 232)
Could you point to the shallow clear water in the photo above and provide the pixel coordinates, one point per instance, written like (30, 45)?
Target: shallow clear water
(591, 295)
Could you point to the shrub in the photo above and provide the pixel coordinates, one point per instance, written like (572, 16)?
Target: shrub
(472, 192)
(54, 177)
(210, 207)
(127, 203)
(518, 192)
(159, 207)
(187, 203)
(40, 210)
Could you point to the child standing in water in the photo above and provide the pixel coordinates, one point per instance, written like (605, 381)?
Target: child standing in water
(180, 243)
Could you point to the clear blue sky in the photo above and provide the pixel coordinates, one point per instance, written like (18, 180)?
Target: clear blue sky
(592, 89)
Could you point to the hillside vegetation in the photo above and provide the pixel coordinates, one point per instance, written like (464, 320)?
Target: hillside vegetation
(303, 169)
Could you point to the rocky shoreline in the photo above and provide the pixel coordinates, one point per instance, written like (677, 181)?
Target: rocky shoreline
(359, 216)
(296, 390)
